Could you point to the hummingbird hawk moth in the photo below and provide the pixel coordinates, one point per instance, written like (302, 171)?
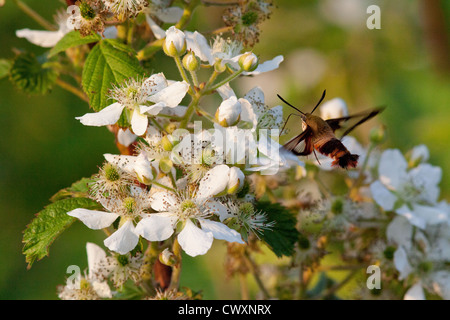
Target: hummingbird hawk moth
(319, 134)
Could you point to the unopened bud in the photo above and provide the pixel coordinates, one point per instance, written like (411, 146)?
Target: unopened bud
(168, 258)
(175, 43)
(377, 135)
(248, 61)
(191, 62)
(165, 165)
(229, 112)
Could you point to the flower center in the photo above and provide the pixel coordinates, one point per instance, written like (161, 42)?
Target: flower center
(87, 12)
(111, 172)
(129, 204)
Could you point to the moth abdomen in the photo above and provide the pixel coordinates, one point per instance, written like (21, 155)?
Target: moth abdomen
(336, 150)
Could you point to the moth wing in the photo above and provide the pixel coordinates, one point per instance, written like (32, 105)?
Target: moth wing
(294, 146)
(335, 123)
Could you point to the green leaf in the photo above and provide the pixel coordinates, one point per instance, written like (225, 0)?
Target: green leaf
(73, 39)
(5, 66)
(49, 224)
(77, 189)
(109, 62)
(31, 75)
(281, 238)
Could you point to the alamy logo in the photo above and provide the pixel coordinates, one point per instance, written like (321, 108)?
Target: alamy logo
(374, 280)
(374, 20)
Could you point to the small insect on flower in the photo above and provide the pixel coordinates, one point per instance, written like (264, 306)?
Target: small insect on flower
(318, 134)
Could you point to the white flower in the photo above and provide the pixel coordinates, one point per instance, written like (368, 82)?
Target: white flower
(412, 193)
(124, 239)
(227, 52)
(334, 108)
(415, 292)
(229, 112)
(91, 286)
(191, 213)
(134, 96)
(254, 109)
(47, 39)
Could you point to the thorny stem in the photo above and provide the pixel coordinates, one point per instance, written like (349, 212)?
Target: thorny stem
(150, 256)
(35, 16)
(176, 269)
(255, 272)
(244, 287)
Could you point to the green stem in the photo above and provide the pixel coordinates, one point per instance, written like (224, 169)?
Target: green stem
(187, 14)
(224, 81)
(190, 111)
(163, 186)
(183, 72)
(149, 50)
(35, 16)
(72, 89)
(194, 78)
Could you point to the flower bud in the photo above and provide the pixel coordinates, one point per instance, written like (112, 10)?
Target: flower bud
(248, 61)
(377, 135)
(191, 62)
(229, 112)
(168, 258)
(236, 180)
(334, 108)
(165, 165)
(175, 42)
(219, 67)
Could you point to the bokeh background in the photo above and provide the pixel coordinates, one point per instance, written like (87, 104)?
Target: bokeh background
(404, 65)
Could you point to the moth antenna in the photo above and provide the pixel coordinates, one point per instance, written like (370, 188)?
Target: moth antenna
(321, 99)
(290, 105)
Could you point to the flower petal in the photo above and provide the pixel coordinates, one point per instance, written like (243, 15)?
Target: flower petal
(171, 95)
(392, 169)
(382, 195)
(106, 116)
(399, 232)
(139, 123)
(426, 178)
(169, 15)
(156, 29)
(401, 263)
(123, 240)
(217, 208)
(266, 66)
(415, 292)
(94, 219)
(125, 137)
(45, 39)
(156, 227)
(421, 216)
(153, 109)
(221, 231)
(163, 201)
(214, 182)
(194, 240)
(95, 254)
(197, 43)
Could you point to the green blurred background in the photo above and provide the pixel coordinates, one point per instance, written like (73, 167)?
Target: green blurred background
(326, 44)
